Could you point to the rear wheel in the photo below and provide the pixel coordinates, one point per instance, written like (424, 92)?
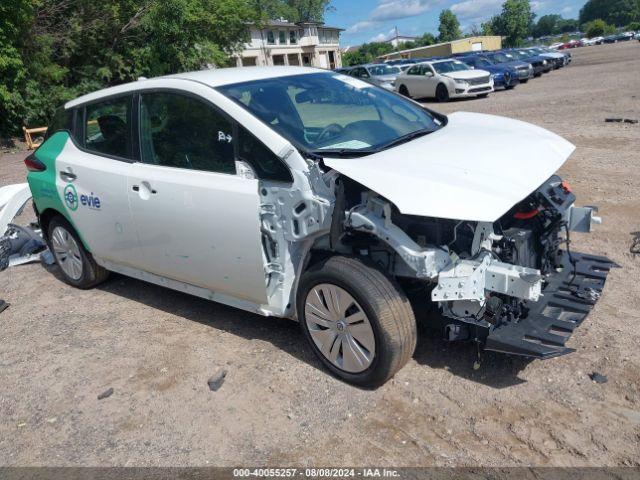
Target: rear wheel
(404, 91)
(357, 320)
(77, 265)
(442, 93)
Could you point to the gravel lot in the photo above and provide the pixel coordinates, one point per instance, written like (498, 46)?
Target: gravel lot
(61, 347)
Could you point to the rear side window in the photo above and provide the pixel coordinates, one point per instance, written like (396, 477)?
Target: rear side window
(107, 128)
(184, 132)
(62, 120)
(265, 163)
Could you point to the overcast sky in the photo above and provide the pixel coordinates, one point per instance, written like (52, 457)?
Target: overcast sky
(375, 20)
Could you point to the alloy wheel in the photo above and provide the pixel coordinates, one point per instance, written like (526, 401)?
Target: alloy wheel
(67, 252)
(340, 328)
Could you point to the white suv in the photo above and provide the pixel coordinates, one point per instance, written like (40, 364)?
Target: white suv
(300, 193)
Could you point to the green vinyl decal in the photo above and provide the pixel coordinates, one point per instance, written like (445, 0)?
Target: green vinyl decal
(43, 184)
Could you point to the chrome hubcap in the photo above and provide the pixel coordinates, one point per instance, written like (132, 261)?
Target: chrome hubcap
(340, 328)
(67, 253)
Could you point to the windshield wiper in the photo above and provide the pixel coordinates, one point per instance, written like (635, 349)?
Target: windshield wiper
(342, 152)
(407, 138)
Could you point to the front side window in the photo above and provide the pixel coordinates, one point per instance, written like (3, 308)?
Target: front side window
(322, 112)
(107, 128)
(380, 70)
(184, 132)
(264, 162)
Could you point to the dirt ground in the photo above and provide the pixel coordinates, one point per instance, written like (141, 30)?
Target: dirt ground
(61, 347)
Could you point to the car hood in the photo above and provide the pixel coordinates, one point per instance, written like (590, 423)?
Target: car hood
(466, 74)
(475, 168)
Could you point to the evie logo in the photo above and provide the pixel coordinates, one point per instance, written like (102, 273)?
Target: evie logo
(92, 201)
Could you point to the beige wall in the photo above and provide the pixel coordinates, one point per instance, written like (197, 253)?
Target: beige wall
(444, 49)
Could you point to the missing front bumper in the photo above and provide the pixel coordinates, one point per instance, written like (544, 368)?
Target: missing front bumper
(566, 302)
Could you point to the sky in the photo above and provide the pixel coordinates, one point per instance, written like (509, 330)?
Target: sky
(375, 20)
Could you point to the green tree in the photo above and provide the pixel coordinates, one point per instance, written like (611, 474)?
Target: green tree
(547, 25)
(634, 26)
(15, 20)
(595, 28)
(514, 22)
(366, 53)
(449, 28)
(308, 10)
(615, 12)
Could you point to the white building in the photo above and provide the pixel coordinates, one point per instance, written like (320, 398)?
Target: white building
(309, 44)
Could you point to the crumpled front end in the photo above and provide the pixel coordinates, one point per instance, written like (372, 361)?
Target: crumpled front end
(522, 290)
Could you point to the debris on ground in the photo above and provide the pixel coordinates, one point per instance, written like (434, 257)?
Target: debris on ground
(635, 245)
(3, 306)
(21, 245)
(621, 120)
(598, 378)
(216, 381)
(106, 394)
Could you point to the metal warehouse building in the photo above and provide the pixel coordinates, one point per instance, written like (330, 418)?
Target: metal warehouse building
(471, 44)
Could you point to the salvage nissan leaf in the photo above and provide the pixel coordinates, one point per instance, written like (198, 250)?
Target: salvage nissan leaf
(300, 193)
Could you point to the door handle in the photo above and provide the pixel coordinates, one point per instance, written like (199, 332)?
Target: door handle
(136, 188)
(68, 176)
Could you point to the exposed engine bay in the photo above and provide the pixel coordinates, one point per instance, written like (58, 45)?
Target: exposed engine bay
(513, 286)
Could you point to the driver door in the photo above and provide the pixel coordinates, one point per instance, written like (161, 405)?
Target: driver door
(197, 221)
(429, 81)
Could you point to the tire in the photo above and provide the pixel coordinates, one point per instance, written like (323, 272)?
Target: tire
(524, 81)
(442, 93)
(386, 325)
(484, 95)
(403, 90)
(510, 87)
(77, 266)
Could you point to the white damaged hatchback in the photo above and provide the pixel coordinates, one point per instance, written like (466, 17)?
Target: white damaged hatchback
(306, 194)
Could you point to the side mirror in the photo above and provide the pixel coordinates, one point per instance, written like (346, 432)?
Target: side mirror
(428, 74)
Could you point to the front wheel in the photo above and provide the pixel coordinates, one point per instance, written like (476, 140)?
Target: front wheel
(404, 91)
(357, 320)
(442, 93)
(77, 265)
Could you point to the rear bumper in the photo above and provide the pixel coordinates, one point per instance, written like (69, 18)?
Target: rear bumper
(566, 302)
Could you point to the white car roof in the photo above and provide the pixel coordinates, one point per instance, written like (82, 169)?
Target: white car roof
(213, 78)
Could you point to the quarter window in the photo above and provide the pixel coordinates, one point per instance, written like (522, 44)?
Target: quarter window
(183, 132)
(62, 120)
(265, 163)
(107, 127)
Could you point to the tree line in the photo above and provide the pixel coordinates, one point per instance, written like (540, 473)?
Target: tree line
(54, 50)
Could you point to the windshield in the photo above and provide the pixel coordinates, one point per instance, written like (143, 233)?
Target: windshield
(450, 66)
(319, 112)
(482, 62)
(500, 58)
(379, 70)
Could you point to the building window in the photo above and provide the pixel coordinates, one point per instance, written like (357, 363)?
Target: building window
(293, 37)
(278, 60)
(271, 39)
(249, 61)
(293, 59)
(283, 37)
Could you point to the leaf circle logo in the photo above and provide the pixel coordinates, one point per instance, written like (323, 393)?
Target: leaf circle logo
(71, 197)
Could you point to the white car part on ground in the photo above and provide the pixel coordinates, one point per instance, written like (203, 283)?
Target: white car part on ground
(476, 168)
(13, 198)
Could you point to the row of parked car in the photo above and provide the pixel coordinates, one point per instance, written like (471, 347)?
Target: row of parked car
(588, 42)
(472, 74)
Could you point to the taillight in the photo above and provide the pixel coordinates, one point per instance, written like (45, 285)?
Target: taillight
(33, 164)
